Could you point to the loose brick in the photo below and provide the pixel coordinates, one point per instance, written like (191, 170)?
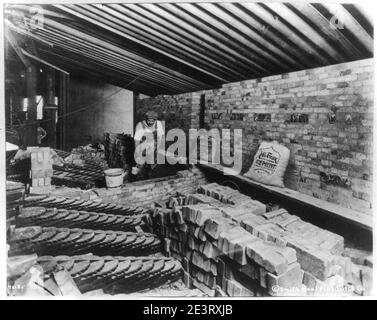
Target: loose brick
(214, 226)
(250, 223)
(266, 257)
(312, 260)
(275, 213)
(290, 280)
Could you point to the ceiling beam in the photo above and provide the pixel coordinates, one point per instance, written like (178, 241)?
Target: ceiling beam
(183, 35)
(111, 58)
(133, 39)
(311, 13)
(276, 22)
(292, 54)
(338, 11)
(327, 51)
(245, 36)
(29, 55)
(88, 70)
(213, 31)
(97, 43)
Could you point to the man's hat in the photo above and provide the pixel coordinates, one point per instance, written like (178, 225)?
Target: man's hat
(151, 115)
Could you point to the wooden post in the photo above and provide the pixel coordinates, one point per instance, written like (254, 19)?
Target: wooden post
(49, 109)
(63, 109)
(30, 137)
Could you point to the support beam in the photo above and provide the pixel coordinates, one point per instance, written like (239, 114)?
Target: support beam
(351, 24)
(62, 111)
(31, 123)
(73, 12)
(128, 54)
(50, 112)
(29, 55)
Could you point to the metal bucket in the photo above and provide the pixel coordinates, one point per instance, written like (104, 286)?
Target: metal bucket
(114, 177)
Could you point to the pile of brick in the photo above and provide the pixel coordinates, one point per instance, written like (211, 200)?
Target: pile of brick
(119, 150)
(52, 240)
(41, 168)
(315, 247)
(203, 239)
(233, 197)
(234, 243)
(67, 192)
(31, 216)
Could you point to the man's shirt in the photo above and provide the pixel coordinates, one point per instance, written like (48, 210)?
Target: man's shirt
(142, 129)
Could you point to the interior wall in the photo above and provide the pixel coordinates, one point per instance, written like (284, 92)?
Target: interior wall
(323, 115)
(96, 108)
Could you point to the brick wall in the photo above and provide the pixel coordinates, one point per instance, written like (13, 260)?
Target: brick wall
(144, 193)
(323, 115)
(176, 111)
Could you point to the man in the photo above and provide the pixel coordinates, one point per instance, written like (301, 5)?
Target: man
(41, 134)
(150, 132)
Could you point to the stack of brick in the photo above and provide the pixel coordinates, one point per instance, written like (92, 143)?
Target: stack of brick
(41, 168)
(213, 248)
(231, 196)
(119, 150)
(254, 252)
(67, 192)
(145, 193)
(187, 239)
(256, 267)
(319, 251)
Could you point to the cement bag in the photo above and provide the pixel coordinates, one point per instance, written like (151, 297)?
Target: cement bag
(270, 163)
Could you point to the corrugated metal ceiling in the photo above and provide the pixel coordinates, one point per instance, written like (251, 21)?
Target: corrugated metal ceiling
(180, 47)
